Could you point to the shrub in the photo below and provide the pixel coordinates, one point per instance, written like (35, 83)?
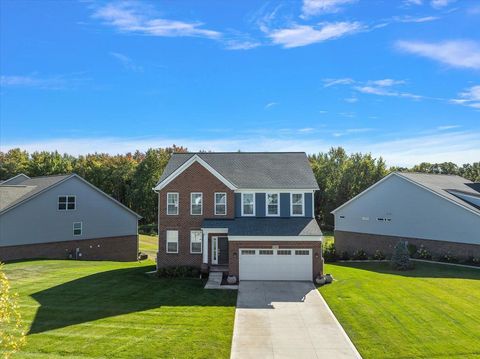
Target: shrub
(329, 252)
(360, 255)
(448, 258)
(178, 272)
(401, 257)
(379, 255)
(412, 249)
(423, 253)
(344, 256)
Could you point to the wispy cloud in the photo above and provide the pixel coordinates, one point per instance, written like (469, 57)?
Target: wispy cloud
(333, 82)
(413, 19)
(441, 3)
(447, 127)
(126, 62)
(302, 35)
(386, 82)
(316, 7)
(270, 105)
(457, 53)
(57, 82)
(455, 146)
(133, 17)
(470, 97)
(236, 44)
(351, 99)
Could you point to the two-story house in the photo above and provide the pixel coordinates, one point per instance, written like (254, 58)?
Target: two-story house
(251, 214)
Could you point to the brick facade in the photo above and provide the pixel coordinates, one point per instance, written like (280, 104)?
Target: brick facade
(234, 247)
(195, 178)
(122, 249)
(351, 241)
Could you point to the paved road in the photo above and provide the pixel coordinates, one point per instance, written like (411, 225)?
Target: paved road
(286, 320)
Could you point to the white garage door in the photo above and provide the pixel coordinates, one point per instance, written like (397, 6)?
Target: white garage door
(275, 264)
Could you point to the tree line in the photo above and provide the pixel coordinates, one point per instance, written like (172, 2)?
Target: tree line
(130, 177)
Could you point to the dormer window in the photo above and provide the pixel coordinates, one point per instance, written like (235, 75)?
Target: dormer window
(297, 201)
(66, 203)
(248, 204)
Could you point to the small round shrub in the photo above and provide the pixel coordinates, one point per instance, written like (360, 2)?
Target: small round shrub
(401, 257)
(423, 253)
(360, 255)
(378, 255)
(448, 258)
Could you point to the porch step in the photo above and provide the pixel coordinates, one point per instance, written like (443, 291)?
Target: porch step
(214, 280)
(218, 268)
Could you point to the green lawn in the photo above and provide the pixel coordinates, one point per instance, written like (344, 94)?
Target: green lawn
(430, 312)
(148, 244)
(108, 309)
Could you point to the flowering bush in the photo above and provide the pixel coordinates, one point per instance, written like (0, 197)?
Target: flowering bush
(379, 255)
(423, 253)
(360, 255)
(12, 334)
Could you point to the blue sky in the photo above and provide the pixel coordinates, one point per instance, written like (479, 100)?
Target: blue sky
(399, 79)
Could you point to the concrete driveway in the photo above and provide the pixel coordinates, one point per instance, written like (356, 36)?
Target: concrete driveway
(286, 320)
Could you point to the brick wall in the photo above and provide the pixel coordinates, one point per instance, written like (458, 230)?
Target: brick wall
(351, 241)
(234, 246)
(195, 178)
(122, 249)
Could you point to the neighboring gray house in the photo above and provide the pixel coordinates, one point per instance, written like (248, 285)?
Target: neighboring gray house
(441, 212)
(64, 217)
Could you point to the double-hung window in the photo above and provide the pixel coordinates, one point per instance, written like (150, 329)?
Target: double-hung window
(297, 204)
(195, 242)
(66, 203)
(172, 241)
(196, 203)
(220, 203)
(77, 228)
(172, 203)
(248, 204)
(273, 204)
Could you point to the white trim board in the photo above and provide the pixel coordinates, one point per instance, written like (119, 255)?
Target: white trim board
(275, 238)
(188, 163)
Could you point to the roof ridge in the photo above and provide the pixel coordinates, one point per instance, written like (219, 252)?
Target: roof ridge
(431, 174)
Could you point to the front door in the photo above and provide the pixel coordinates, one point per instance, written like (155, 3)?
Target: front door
(222, 250)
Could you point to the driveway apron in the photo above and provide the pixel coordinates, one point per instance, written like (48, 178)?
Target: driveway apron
(275, 319)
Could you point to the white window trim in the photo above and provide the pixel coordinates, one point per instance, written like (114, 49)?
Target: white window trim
(178, 204)
(291, 204)
(81, 229)
(254, 209)
(167, 241)
(66, 203)
(215, 204)
(201, 241)
(266, 205)
(191, 203)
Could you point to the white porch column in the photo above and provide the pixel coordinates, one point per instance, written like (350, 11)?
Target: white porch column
(205, 246)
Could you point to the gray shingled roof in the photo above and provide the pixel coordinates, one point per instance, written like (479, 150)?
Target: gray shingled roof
(444, 184)
(255, 170)
(10, 195)
(266, 226)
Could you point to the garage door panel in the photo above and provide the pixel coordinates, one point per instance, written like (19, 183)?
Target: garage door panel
(278, 264)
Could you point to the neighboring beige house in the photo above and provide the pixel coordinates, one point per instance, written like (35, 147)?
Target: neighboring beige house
(441, 212)
(64, 217)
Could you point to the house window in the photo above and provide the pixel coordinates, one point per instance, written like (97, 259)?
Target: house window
(196, 242)
(284, 252)
(248, 204)
(220, 204)
(196, 203)
(172, 241)
(172, 204)
(66, 203)
(273, 204)
(298, 204)
(77, 228)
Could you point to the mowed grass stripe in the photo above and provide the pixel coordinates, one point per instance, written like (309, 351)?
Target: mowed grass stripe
(108, 309)
(430, 312)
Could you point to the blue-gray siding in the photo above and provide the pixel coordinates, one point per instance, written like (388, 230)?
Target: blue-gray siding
(39, 221)
(260, 205)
